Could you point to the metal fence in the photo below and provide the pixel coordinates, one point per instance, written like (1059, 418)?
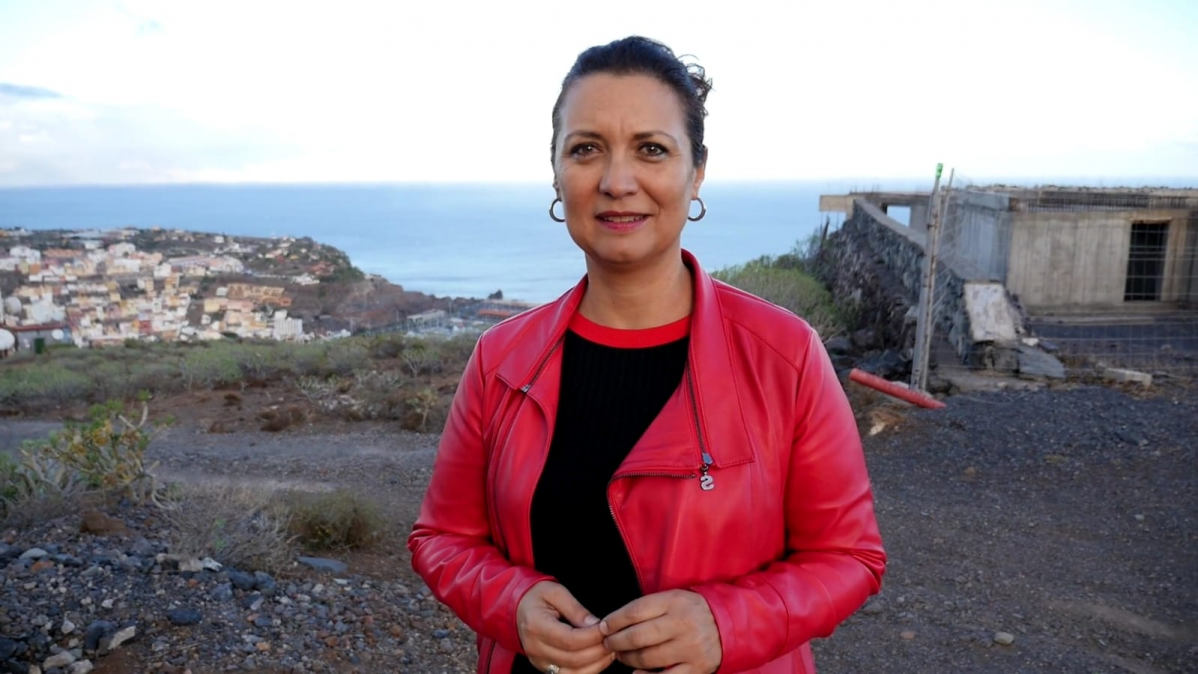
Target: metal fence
(1098, 278)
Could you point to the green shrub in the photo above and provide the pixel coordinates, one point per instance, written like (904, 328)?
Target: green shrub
(110, 379)
(791, 289)
(421, 357)
(106, 454)
(43, 382)
(158, 377)
(424, 407)
(387, 346)
(308, 359)
(346, 356)
(456, 350)
(210, 367)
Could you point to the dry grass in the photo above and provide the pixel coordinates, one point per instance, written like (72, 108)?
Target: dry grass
(337, 520)
(238, 525)
(27, 512)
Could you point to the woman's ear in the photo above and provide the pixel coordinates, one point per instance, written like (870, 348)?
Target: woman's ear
(700, 173)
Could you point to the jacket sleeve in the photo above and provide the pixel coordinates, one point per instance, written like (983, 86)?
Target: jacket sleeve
(835, 559)
(451, 542)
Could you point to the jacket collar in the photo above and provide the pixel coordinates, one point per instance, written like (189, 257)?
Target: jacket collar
(535, 355)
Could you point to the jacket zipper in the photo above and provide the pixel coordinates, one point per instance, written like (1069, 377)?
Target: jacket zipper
(703, 468)
(541, 367)
(704, 456)
(640, 581)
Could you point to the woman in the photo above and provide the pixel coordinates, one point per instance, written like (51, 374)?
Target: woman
(656, 470)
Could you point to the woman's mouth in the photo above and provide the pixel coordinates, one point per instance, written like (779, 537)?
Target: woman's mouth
(621, 221)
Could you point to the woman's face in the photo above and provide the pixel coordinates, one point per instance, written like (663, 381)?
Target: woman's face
(624, 169)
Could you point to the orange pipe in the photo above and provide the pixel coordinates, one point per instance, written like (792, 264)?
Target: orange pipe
(892, 389)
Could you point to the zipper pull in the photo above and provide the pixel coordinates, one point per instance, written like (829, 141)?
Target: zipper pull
(707, 482)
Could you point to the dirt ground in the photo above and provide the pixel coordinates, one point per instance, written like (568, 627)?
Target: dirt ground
(1064, 518)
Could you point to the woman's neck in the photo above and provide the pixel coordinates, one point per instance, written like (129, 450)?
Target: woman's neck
(644, 298)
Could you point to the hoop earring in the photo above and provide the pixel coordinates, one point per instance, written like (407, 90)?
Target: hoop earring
(702, 212)
(553, 215)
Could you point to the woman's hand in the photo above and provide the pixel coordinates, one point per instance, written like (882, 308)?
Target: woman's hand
(672, 629)
(576, 648)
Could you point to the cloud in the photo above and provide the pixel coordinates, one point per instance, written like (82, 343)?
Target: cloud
(63, 140)
(149, 28)
(21, 91)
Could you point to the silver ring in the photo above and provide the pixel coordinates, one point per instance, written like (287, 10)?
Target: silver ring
(553, 669)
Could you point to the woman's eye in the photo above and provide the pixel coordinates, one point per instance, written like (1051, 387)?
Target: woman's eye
(654, 150)
(582, 149)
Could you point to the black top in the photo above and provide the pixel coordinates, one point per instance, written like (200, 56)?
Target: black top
(614, 383)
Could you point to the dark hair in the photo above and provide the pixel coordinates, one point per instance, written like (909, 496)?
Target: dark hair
(637, 55)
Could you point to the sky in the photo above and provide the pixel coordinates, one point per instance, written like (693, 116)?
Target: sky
(143, 91)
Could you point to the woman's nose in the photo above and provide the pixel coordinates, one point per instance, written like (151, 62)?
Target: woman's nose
(619, 178)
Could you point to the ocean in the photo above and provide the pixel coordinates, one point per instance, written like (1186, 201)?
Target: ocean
(441, 239)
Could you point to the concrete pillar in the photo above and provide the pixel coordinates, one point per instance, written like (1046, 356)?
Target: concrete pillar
(919, 217)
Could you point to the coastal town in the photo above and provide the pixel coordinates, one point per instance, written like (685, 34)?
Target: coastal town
(96, 288)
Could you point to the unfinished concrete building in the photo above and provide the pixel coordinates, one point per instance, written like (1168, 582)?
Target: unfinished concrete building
(1114, 271)
(1070, 251)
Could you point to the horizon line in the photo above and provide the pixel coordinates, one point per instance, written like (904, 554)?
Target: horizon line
(1057, 180)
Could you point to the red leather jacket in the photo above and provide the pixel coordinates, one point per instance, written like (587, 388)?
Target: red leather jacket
(749, 488)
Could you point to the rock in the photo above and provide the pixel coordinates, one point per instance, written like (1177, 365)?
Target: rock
(33, 553)
(1036, 363)
(116, 640)
(107, 603)
(241, 580)
(872, 608)
(1004, 638)
(62, 659)
(8, 553)
(1127, 376)
(184, 616)
(907, 635)
(130, 564)
(1132, 438)
(888, 365)
(142, 548)
(95, 632)
(866, 339)
(223, 592)
(252, 602)
(265, 583)
(319, 564)
(81, 667)
(99, 524)
(839, 345)
(440, 634)
(8, 648)
(190, 566)
(67, 626)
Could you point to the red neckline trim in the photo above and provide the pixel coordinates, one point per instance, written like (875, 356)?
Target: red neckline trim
(630, 339)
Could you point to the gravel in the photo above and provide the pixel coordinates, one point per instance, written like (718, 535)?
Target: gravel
(1046, 531)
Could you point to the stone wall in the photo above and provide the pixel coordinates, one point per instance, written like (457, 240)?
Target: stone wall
(877, 262)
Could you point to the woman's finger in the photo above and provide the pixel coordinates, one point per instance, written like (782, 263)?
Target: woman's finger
(570, 660)
(656, 657)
